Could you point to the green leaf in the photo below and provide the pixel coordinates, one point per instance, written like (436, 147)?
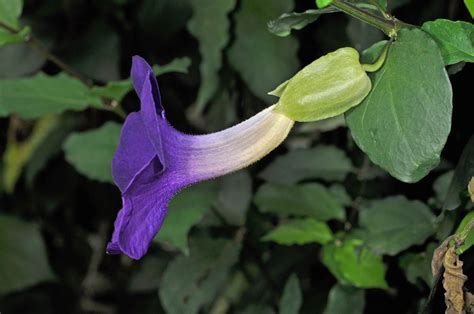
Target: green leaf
(323, 3)
(185, 210)
(91, 152)
(257, 309)
(299, 232)
(462, 174)
(417, 266)
(237, 285)
(455, 39)
(8, 38)
(383, 4)
(287, 22)
(345, 299)
(469, 241)
(235, 196)
(207, 14)
(393, 125)
(190, 282)
(351, 263)
(292, 298)
(395, 223)
(51, 145)
(17, 60)
(148, 276)
(255, 46)
(115, 90)
(41, 94)
(322, 162)
(441, 187)
(24, 261)
(340, 193)
(470, 6)
(311, 199)
(10, 11)
(17, 154)
(177, 65)
(446, 221)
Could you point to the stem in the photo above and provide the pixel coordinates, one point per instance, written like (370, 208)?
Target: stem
(98, 243)
(114, 106)
(37, 44)
(120, 112)
(231, 294)
(388, 26)
(34, 42)
(380, 8)
(380, 61)
(8, 28)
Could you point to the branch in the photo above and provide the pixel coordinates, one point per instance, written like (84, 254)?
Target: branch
(37, 44)
(388, 24)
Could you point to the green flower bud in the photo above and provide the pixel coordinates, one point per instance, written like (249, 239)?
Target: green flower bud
(325, 88)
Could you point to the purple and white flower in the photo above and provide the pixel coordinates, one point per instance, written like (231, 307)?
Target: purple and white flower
(154, 161)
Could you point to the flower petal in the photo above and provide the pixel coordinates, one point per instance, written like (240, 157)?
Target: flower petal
(142, 214)
(134, 152)
(150, 118)
(141, 72)
(201, 157)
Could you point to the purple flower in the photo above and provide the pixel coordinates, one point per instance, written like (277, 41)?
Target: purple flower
(154, 161)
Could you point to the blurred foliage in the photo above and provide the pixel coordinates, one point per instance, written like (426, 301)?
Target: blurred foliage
(291, 299)
(321, 225)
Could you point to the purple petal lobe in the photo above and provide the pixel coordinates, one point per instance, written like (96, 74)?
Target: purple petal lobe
(142, 72)
(141, 216)
(150, 118)
(151, 111)
(134, 152)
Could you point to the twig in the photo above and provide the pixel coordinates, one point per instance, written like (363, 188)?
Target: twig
(114, 106)
(388, 24)
(97, 243)
(34, 42)
(37, 44)
(380, 8)
(230, 295)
